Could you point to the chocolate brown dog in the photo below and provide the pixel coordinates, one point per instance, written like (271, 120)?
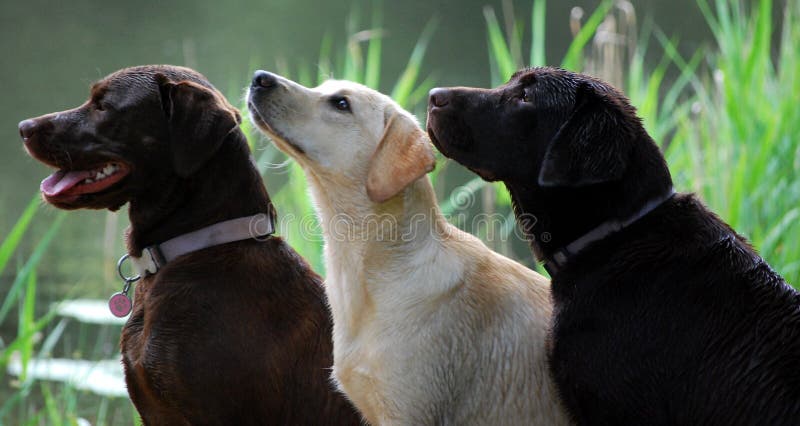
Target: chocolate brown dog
(663, 314)
(234, 333)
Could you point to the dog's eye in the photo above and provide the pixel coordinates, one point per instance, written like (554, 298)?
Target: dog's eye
(340, 103)
(525, 96)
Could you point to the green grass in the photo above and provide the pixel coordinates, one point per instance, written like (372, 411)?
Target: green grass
(726, 118)
(740, 149)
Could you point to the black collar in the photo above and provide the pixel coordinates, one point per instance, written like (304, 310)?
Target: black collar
(560, 257)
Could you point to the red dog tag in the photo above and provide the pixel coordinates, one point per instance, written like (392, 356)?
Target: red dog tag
(120, 305)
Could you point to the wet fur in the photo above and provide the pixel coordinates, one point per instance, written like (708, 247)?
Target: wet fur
(673, 320)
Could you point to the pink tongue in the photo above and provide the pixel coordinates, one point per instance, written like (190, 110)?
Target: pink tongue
(61, 181)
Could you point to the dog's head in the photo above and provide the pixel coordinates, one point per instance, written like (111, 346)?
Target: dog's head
(343, 131)
(140, 127)
(546, 127)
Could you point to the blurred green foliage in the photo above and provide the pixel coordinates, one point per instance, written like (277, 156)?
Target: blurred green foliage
(726, 118)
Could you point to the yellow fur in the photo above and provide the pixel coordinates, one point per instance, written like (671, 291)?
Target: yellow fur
(430, 327)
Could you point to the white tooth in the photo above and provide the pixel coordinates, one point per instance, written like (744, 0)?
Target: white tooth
(88, 180)
(100, 176)
(107, 170)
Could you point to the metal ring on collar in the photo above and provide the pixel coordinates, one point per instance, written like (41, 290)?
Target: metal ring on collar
(121, 274)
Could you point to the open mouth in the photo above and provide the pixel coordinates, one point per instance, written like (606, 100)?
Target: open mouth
(68, 185)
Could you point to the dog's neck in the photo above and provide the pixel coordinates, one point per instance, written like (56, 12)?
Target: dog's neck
(344, 206)
(227, 187)
(553, 218)
(360, 234)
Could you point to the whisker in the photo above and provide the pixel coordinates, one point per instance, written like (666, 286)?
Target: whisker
(281, 165)
(69, 158)
(278, 168)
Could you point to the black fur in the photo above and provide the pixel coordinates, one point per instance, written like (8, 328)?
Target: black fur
(675, 319)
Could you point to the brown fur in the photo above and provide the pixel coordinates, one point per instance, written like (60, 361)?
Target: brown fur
(232, 334)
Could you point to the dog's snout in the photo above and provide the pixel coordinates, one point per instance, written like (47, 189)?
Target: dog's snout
(439, 97)
(27, 128)
(264, 79)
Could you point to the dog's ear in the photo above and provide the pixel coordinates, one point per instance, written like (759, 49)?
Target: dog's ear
(199, 119)
(590, 147)
(404, 155)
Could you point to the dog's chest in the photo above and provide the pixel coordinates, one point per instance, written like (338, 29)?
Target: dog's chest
(389, 383)
(380, 359)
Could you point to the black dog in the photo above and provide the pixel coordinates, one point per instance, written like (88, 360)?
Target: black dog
(230, 334)
(663, 314)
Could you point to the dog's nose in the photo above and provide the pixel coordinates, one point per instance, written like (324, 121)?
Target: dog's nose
(27, 128)
(439, 97)
(264, 79)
